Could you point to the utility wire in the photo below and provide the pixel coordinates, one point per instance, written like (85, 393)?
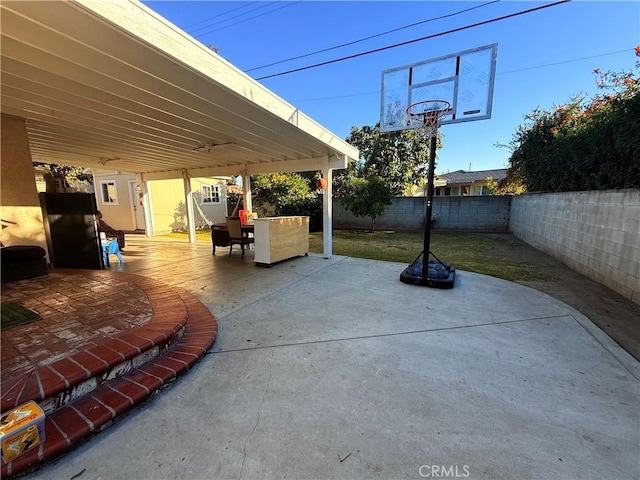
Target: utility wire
(288, 4)
(563, 61)
(533, 67)
(263, 5)
(388, 47)
(372, 36)
(217, 16)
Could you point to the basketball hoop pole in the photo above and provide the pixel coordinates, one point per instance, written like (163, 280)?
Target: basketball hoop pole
(426, 116)
(428, 214)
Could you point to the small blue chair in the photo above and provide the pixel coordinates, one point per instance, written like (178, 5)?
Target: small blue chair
(111, 248)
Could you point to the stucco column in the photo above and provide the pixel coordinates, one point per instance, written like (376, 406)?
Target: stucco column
(22, 222)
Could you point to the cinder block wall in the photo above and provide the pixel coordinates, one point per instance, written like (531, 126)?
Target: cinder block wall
(404, 213)
(596, 233)
(482, 214)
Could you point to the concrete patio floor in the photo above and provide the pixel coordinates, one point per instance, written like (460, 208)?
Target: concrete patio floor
(335, 369)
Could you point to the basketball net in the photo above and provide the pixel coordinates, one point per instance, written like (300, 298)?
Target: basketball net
(426, 116)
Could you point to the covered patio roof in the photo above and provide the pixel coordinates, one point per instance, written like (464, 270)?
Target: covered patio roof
(114, 85)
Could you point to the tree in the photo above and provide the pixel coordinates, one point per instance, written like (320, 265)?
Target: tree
(582, 144)
(398, 158)
(506, 186)
(366, 198)
(275, 191)
(67, 173)
(287, 194)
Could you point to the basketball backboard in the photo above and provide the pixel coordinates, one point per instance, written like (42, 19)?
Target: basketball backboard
(463, 79)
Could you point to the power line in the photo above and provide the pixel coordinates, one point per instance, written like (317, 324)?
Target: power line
(563, 61)
(388, 47)
(263, 5)
(377, 92)
(288, 4)
(217, 16)
(372, 36)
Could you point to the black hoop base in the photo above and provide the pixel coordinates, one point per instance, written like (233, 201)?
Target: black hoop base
(441, 275)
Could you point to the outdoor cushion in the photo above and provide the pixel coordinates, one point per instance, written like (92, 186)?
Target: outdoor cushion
(20, 262)
(21, 253)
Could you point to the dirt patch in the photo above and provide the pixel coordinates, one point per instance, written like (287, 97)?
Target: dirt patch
(616, 315)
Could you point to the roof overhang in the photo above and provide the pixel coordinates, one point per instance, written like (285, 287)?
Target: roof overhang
(111, 84)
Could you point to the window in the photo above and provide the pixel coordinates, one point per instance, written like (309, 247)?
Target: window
(109, 192)
(210, 193)
(477, 190)
(455, 191)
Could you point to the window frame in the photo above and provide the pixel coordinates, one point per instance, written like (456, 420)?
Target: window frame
(110, 200)
(214, 191)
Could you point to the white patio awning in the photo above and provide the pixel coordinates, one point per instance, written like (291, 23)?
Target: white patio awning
(112, 84)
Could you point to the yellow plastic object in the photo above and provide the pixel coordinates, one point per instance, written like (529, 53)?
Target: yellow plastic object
(21, 430)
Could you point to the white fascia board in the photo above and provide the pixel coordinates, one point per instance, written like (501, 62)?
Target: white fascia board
(254, 168)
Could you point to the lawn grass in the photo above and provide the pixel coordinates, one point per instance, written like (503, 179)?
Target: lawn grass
(472, 252)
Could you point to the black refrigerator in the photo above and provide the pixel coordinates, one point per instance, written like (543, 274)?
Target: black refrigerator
(70, 224)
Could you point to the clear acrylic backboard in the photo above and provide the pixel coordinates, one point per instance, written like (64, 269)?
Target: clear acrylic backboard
(463, 79)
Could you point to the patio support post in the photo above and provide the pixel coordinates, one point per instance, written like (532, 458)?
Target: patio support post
(246, 192)
(327, 211)
(191, 227)
(146, 207)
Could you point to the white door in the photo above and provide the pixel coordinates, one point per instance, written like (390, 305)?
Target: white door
(136, 203)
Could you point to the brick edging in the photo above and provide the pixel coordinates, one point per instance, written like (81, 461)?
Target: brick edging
(77, 421)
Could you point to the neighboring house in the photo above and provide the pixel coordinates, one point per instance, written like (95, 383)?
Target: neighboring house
(119, 198)
(461, 183)
(209, 196)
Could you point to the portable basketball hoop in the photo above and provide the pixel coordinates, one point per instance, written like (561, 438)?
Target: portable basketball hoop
(463, 83)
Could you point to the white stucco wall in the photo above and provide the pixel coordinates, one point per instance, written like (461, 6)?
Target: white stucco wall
(168, 204)
(119, 216)
(596, 233)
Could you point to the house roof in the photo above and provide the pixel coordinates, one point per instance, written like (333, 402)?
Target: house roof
(460, 176)
(111, 84)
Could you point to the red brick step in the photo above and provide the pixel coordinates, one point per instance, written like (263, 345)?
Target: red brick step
(104, 383)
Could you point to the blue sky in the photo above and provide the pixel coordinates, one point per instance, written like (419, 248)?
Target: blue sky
(544, 57)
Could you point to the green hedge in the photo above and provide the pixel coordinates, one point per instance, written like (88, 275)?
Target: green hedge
(591, 145)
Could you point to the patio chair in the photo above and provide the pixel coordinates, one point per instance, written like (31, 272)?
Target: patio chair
(236, 236)
(219, 236)
(111, 248)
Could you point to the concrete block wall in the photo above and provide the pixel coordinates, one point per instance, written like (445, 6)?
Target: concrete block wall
(404, 213)
(481, 213)
(596, 233)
